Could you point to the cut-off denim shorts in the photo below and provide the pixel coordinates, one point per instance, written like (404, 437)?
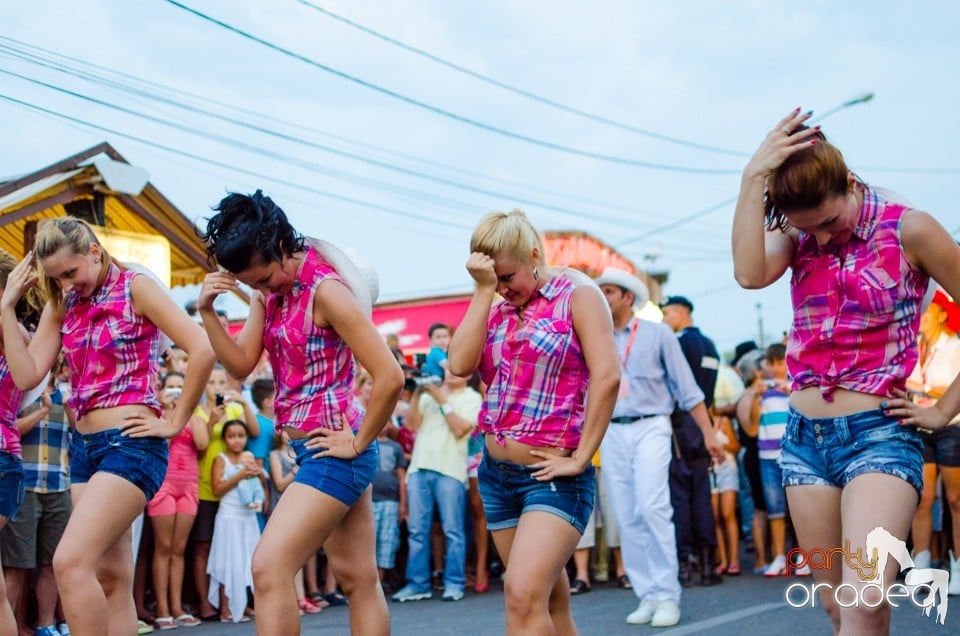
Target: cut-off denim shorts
(509, 490)
(343, 479)
(140, 460)
(11, 484)
(831, 451)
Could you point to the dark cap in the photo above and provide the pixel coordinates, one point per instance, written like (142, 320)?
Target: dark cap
(743, 349)
(678, 300)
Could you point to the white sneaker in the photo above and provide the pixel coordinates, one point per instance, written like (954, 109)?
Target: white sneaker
(667, 614)
(777, 568)
(921, 560)
(803, 570)
(954, 588)
(643, 613)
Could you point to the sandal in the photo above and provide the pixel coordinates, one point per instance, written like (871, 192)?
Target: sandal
(165, 622)
(318, 600)
(187, 620)
(335, 599)
(623, 582)
(579, 586)
(308, 607)
(733, 570)
(720, 569)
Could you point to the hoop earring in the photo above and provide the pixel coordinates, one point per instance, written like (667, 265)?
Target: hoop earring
(536, 274)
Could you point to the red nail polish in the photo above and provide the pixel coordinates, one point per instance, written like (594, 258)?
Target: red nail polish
(814, 141)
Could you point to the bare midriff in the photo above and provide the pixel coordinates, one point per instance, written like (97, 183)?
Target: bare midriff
(518, 452)
(104, 419)
(810, 402)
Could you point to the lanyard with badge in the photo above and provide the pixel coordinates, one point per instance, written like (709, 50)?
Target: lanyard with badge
(624, 379)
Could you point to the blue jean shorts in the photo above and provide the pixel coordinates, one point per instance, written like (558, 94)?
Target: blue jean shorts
(831, 451)
(509, 490)
(11, 484)
(774, 497)
(140, 460)
(343, 479)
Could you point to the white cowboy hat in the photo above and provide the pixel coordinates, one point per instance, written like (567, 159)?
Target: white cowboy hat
(626, 280)
(359, 275)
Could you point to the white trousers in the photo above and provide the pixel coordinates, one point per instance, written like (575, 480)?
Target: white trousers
(636, 466)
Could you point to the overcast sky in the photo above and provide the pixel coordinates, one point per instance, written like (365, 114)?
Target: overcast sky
(714, 74)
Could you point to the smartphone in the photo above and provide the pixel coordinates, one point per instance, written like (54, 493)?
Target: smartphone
(173, 392)
(219, 399)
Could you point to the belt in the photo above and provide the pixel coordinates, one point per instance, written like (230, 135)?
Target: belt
(630, 419)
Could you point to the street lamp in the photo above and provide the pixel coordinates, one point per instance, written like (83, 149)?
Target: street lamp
(862, 99)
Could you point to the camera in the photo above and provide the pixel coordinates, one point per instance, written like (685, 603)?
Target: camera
(173, 392)
(418, 379)
(219, 398)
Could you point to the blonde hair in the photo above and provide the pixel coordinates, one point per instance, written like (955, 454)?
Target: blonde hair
(30, 306)
(70, 232)
(508, 234)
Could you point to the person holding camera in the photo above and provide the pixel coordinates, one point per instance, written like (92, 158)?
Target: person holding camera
(221, 404)
(173, 510)
(443, 416)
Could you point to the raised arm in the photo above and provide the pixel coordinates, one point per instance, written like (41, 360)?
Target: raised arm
(466, 346)
(239, 357)
(29, 361)
(760, 256)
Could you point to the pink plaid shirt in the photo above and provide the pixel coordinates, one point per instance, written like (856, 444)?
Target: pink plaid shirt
(856, 307)
(313, 366)
(9, 405)
(110, 349)
(534, 370)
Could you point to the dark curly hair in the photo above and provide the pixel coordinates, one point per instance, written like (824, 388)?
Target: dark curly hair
(248, 227)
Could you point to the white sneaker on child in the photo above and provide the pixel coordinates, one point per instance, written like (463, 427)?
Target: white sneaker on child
(777, 568)
(954, 588)
(921, 560)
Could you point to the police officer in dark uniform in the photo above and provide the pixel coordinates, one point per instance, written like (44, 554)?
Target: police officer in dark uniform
(690, 468)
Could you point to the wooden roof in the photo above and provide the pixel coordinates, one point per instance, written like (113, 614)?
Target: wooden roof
(44, 193)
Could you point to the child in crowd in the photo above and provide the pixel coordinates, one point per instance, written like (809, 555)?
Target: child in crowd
(436, 362)
(251, 490)
(725, 488)
(389, 502)
(774, 406)
(235, 533)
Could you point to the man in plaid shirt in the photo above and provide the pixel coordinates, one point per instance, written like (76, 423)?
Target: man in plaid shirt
(30, 539)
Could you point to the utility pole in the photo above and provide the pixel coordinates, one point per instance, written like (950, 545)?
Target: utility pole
(760, 325)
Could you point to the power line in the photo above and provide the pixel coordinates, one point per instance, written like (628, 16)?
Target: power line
(28, 53)
(519, 91)
(456, 205)
(451, 115)
(220, 164)
(678, 222)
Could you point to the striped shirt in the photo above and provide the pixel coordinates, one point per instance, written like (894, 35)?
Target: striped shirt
(534, 370)
(856, 307)
(9, 405)
(774, 406)
(312, 365)
(46, 465)
(110, 349)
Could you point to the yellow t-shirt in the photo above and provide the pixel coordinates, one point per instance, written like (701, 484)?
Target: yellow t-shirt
(233, 411)
(436, 448)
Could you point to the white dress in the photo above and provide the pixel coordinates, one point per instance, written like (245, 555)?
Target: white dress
(235, 536)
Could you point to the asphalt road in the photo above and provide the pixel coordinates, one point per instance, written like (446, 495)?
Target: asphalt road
(744, 605)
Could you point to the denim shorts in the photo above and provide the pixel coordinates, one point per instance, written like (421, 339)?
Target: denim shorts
(831, 451)
(942, 447)
(343, 479)
(11, 484)
(140, 460)
(774, 496)
(509, 490)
